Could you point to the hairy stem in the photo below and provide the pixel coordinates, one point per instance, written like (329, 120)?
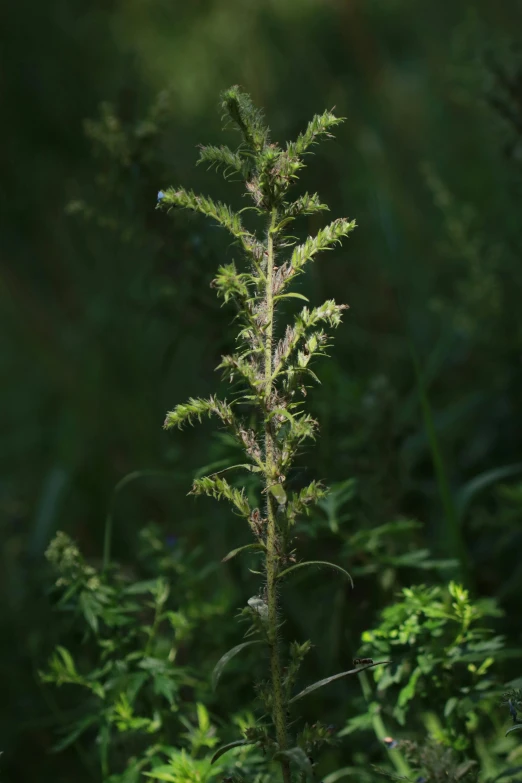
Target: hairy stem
(272, 557)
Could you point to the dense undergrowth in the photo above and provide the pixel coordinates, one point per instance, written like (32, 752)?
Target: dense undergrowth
(419, 413)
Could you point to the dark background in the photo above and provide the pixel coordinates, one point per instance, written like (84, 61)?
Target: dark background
(108, 319)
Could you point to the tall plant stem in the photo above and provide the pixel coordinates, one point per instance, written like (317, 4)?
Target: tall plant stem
(272, 557)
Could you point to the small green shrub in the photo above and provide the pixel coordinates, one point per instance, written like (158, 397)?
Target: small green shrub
(134, 656)
(442, 657)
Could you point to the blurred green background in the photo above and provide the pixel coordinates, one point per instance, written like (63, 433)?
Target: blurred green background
(108, 319)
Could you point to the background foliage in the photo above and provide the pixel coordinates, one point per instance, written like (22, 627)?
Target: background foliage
(108, 320)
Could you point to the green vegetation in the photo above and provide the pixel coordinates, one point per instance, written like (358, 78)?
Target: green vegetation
(394, 537)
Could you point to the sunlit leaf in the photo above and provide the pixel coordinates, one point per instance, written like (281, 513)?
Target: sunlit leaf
(278, 492)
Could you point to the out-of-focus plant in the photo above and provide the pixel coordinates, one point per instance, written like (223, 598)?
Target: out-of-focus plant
(442, 655)
(473, 263)
(434, 762)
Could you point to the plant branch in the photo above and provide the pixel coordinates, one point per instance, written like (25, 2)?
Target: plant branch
(272, 556)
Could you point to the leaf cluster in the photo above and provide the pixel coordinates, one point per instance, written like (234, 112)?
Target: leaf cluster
(133, 632)
(442, 657)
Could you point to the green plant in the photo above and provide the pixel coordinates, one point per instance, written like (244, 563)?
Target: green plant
(273, 365)
(131, 650)
(442, 660)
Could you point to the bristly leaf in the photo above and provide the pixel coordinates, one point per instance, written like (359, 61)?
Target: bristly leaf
(220, 488)
(248, 120)
(325, 239)
(329, 311)
(305, 205)
(319, 126)
(219, 212)
(196, 408)
(221, 156)
(303, 427)
(300, 503)
(230, 283)
(236, 364)
(315, 343)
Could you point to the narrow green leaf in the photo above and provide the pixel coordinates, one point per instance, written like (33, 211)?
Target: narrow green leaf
(328, 680)
(220, 665)
(97, 689)
(291, 295)
(67, 661)
(455, 544)
(225, 748)
(73, 735)
(311, 372)
(298, 756)
(508, 773)
(450, 706)
(246, 465)
(408, 692)
(235, 552)
(109, 520)
(319, 563)
(146, 586)
(518, 727)
(279, 493)
(213, 468)
(482, 481)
